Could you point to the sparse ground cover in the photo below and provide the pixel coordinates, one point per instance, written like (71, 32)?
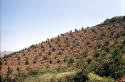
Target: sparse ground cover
(51, 77)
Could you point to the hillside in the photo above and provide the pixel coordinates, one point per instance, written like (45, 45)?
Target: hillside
(67, 49)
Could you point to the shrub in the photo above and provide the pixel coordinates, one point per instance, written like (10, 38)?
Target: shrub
(58, 38)
(60, 53)
(1, 62)
(24, 54)
(18, 69)
(114, 67)
(18, 62)
(34, 61)
(58, 61)
(76, 30)
(5, 63)
(70, 32)
(93, 30)
(70, 60)
(96, 53)
(53, 49)
(18, 58)
(26, 61)
(50, 46)
(50, 61)
(82, 28)
(65, 59)
(59, 45)
(45, 57)
(49, 53)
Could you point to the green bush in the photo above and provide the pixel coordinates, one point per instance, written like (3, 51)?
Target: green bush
(114, 67)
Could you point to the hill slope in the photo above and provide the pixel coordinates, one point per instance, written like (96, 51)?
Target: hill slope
(67, 48)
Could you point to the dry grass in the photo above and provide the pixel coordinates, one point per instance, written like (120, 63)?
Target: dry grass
(50, 77)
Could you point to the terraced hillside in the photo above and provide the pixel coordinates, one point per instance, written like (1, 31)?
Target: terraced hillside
(73, 51)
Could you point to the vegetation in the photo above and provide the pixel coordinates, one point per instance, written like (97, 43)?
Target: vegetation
(26, 61)
(94, 54)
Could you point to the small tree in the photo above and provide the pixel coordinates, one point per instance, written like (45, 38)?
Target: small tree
(58, 38)
(34, 61)
(70, 32)
(85, 53)
(26, 59)
(18, 58)
(49, 53)
(76, 30)
(50, 61)
(60, 53)
(18, 69)
(1, 62)
(70, 60)
(96, 53)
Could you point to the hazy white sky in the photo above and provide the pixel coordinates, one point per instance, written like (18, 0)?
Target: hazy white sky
(27, 22)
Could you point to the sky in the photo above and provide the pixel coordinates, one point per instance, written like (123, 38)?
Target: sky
(27, 22)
